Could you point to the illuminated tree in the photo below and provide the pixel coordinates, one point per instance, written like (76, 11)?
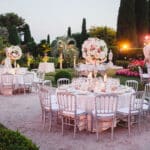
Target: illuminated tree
(126, 26)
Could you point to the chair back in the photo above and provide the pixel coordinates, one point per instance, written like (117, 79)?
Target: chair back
(41, 76)
(7, 79)
(136, 101)
(132, 83)
(67, 102)
(47, 83)
(106, 104)
(28, 78)
(45, 97)
(140, 70)
(147, 91)
(62, 81)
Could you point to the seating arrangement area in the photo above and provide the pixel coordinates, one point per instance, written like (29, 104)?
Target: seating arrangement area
(80, 105)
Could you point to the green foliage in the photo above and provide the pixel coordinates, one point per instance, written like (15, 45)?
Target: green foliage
(69, 55)
(48, 39)
(123, 63)
(84, 34)
(54, 60)
(126, 26)
(131, 54)
(13, 140)
(69, 32)
(13, 35)
(43, 47)
(149, 16)
(105, 33)
(142, 23)
(10, 19)
(4, 34)
(32, 48)
(27, 34)
(62, 74)
(77, 37)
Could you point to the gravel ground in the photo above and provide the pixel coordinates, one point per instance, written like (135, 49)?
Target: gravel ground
(23, 113)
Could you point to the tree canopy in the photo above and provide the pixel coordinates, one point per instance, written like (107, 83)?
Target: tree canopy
(10, 19)
(126, 27)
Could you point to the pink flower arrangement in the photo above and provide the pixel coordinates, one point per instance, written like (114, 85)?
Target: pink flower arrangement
(140, 63)
(94, 48)
(127, 72)
(132, 68)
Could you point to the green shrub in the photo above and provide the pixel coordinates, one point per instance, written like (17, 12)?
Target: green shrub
(123, 63)
(54, 60)
(62, 74)
(13, 140)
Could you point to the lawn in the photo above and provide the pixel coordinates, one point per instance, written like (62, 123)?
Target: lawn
(110, 73)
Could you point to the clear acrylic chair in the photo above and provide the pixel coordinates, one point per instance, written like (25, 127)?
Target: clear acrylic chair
(144, 77)
(147, 92)
(7, 83)
(105, 111)
(41, 75)
(133, 112)
(28, 79)
(47, 83)
(70, 114)
(62, 81)
(133, 84)
(147, 97)
(49, 105)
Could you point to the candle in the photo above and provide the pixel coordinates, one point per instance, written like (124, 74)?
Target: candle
(105, 77)
(90, 75)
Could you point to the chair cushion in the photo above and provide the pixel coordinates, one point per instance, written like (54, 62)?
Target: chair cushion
(145, 106)
(78, 112)
(102, 114)
(145, 75)
(54, 107)
(125, 111)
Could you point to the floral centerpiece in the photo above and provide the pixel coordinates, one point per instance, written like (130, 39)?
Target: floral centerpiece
(13, 53)
(94, 50)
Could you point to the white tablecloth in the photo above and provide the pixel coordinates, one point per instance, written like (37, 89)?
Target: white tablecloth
(85, 101)
(46, 67)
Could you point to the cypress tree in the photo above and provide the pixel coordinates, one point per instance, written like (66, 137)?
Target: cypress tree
(84, 34)
(13, 35)
(141, 13)
(27, 34)
(84, 31)
(48, 39)
(149, 16)
(126, 26)
(69, 32)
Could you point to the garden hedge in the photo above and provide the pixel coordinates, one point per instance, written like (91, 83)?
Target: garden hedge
(13, 140)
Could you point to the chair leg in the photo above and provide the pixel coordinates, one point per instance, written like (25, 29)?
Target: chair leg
(129, 125)
(50, 121)
(75, 128)
(62, 119)
(112, 129)
(139, 123)
(42, 115)
(44, 119)
(97, 130)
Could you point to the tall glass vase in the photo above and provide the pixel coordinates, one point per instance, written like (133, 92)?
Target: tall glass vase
(15, 64)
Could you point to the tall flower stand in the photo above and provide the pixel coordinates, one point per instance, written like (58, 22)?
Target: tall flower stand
(60, 61)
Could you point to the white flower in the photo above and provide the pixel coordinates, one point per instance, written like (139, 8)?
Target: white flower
(13, 52)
